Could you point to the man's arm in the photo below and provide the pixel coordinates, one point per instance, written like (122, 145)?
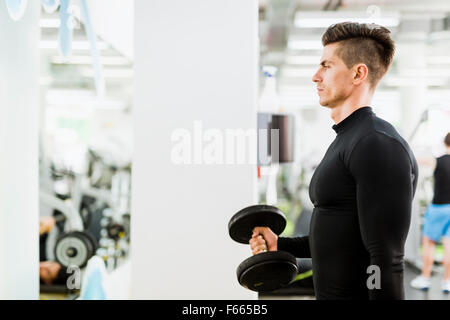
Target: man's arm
(382, 171)
(429, 162)
(46, 224)
(298, 246)
(264, 238)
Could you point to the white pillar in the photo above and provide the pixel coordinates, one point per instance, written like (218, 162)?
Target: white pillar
(19, 114)
(411, 51)
(413, 96)
(195, 60)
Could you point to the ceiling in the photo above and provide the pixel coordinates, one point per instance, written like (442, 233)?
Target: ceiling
(290, 33)
(291, 30)
(62, 75)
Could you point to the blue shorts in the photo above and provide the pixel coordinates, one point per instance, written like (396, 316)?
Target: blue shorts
(436, 223)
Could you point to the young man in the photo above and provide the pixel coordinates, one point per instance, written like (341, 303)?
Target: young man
(363, 188)
(436, 224)
(50, 272)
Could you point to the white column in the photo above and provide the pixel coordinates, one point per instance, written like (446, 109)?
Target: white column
(413, 96)
(411, 51)
(194, 61)
(19, 114)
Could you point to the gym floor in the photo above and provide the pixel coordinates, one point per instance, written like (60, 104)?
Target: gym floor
(434, 293)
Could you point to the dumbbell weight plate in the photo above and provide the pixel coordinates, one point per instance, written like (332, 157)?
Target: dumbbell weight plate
(267, 271)
(74, 248)
(92, 239)
(242, 223)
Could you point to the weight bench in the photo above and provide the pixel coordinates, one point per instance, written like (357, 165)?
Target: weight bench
(57, 292)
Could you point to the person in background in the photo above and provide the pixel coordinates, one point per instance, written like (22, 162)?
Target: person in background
(436, 224)
(50, 272)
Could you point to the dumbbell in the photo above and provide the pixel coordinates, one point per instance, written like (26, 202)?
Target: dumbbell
(266, 271)
(75, 248)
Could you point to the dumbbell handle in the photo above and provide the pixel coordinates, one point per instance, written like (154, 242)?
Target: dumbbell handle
(59, 218)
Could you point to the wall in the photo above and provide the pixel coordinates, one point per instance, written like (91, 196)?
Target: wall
(194, 61)
(19, 114)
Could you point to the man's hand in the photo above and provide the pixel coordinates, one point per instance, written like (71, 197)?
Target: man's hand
(263, 239)
(46, 224)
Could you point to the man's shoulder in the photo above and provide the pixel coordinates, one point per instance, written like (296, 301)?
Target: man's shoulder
(376, 133)
(373, 127)
(383, 141)
(384, 127)
(444, 156)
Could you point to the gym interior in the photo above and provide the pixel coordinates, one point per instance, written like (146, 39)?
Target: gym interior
(136, 131)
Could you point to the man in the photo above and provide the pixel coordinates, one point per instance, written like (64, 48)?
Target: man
(50, 272)
(363, 188)
(436, 224)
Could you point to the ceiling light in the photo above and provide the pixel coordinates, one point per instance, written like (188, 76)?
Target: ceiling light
(325, 19)
(76, 45)
(81, 60)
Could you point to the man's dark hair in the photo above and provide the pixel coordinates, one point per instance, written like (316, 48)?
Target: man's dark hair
(370, 44)
(447, 140)
(62, 276)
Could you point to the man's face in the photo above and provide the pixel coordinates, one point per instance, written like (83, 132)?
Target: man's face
(333, 78)
(48, 271)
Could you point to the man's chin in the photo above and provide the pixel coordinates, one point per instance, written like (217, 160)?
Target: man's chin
(323, 103)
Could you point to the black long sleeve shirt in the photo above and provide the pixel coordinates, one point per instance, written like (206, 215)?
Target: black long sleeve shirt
(362, 193)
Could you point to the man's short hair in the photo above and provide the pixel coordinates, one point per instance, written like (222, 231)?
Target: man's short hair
(62, 276)
(370, 44)
(447, 140)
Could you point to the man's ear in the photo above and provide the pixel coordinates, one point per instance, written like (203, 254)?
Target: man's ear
(360, 73)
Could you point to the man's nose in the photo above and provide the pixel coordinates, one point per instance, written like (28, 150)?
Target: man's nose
(316, 77)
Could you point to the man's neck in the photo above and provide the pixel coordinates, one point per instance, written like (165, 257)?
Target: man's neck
(361, 98)
(341, 112)
(448, 150)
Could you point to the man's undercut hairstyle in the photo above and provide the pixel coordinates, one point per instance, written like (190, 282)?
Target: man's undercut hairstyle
(370, 44)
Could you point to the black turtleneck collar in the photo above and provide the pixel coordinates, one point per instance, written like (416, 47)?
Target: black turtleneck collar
(352, 118)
